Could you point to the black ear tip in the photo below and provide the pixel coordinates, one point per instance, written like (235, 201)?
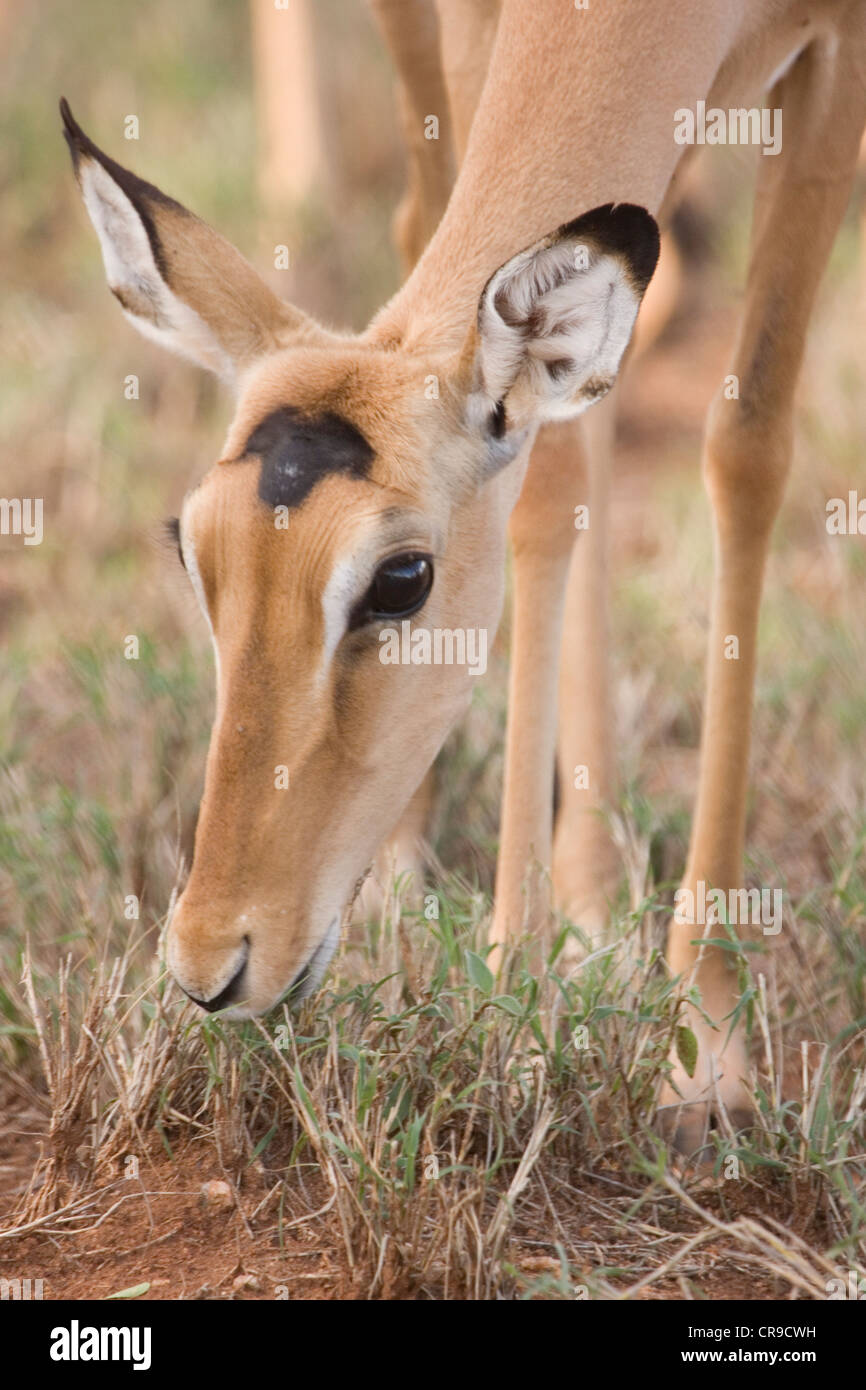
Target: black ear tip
(70, 125)
(641, 229)
(624, 229)
(635, 218)
(75, 138)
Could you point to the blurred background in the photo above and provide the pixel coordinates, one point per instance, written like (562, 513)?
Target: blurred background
(102, 757)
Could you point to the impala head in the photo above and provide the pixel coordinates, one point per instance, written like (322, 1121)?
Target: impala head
(361, 485)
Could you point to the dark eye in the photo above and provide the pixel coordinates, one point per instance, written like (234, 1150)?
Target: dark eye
(399, 588)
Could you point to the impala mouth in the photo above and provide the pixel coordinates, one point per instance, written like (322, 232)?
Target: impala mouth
(232, 991)
(311, 974)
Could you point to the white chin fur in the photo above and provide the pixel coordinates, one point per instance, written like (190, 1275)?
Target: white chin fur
(319, 962)
(316, 967)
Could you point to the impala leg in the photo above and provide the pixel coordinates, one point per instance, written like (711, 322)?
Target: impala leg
(467, 29)
(410, 29)
(542, 534)
(801, 197)
(585, 863)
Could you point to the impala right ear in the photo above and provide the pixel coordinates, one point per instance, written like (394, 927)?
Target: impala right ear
(176, 279)
(555, 320)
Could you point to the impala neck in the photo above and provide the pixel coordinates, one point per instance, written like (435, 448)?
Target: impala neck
(554, 136)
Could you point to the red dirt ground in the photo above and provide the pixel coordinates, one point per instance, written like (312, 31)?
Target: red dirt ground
(164, 1234)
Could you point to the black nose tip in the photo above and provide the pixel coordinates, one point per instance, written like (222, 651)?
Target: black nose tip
(231, 992)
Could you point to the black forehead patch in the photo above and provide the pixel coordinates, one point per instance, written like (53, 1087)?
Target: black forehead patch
(297, 451)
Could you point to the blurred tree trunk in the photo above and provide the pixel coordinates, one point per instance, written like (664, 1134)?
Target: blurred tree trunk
(861, 179)
(293, 161)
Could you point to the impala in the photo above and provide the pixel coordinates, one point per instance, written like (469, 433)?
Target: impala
(349, 496)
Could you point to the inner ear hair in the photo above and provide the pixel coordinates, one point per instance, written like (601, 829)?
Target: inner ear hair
(554, 320)
(144, 196)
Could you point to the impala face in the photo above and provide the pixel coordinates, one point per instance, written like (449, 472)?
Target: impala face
(302, 547)
(360, 486)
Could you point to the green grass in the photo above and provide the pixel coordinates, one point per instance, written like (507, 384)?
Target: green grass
(409, 1054)
(453, 1116)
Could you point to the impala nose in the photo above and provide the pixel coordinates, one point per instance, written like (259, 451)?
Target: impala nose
(231, 992)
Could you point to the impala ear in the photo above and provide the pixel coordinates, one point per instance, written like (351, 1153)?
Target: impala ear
(178, 281)
(555, 320)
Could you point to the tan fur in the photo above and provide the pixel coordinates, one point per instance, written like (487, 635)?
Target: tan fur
(206, 272)
(722, 53)
(411, 30)
(576, 111)
(278, 864)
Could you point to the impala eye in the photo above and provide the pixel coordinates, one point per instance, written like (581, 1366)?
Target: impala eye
(399, 588)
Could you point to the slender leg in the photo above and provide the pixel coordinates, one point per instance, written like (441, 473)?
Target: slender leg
(584, 858)
(411, 31)
(468, 28)
(560, 570)
(542, 534)
(801, 197)
(585, 861)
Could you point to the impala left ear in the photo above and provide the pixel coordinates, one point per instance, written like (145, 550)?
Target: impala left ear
(177, 280)
(555, 320)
